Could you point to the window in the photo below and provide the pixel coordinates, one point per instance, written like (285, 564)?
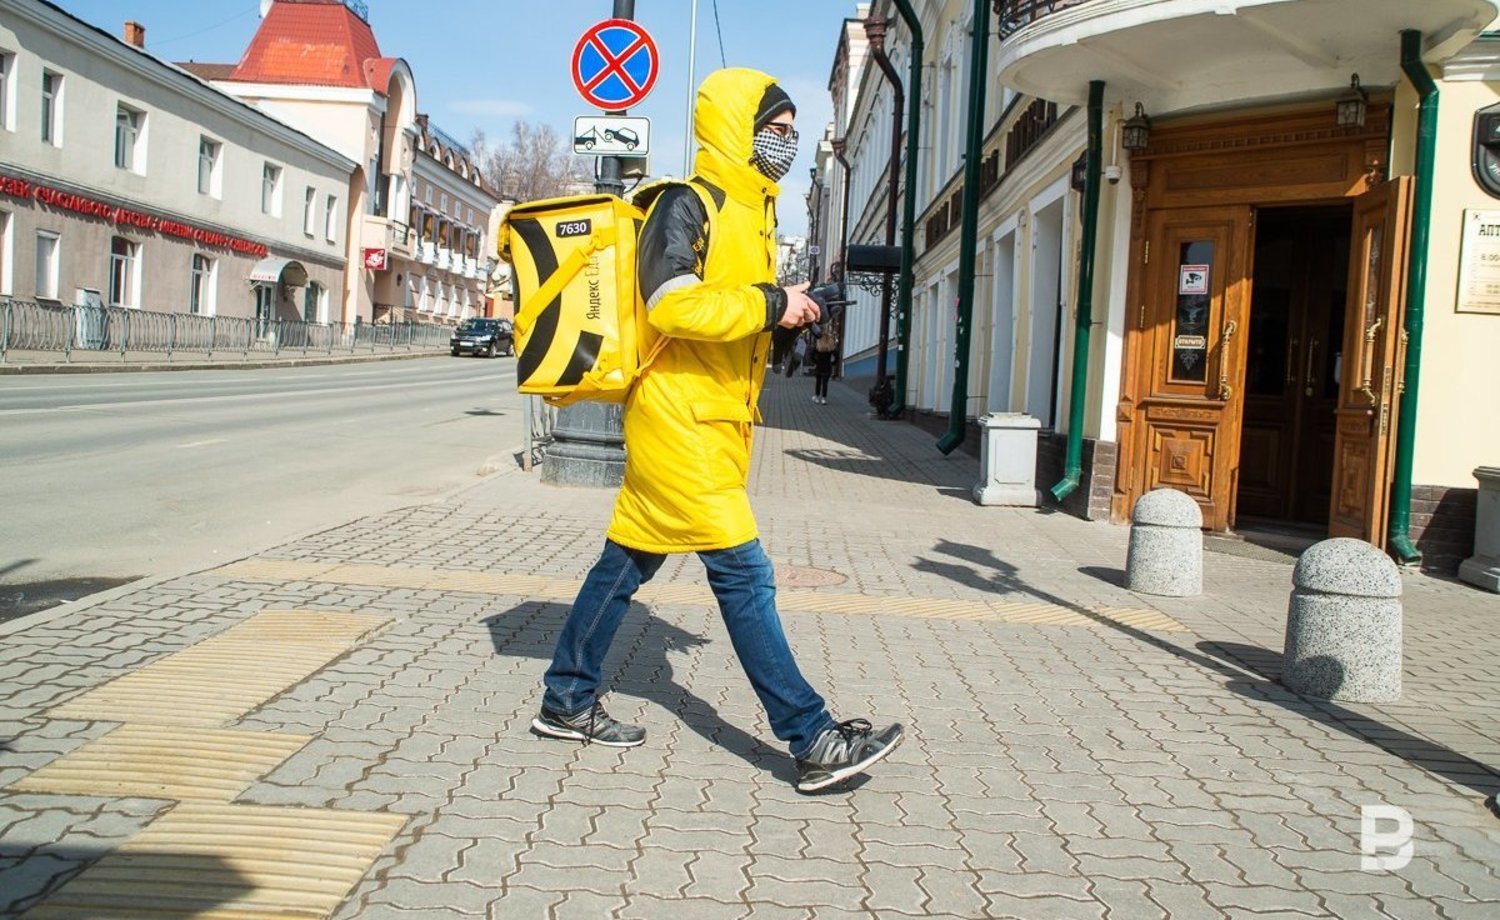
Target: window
(209, 182)
(312, 302)
(52, 108)
(7, 87)
(128, 125)
(307, 210)
(270, 190)
(330, 218)
(203, 289)
(47, 246)
(124, 269)
(444, 206)
(5, 256)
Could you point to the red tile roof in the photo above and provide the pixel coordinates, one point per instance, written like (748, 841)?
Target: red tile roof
(317, 42)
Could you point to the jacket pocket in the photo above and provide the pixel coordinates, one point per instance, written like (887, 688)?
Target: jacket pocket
(724, 431)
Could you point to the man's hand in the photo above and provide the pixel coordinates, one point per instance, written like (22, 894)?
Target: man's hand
(800, 309)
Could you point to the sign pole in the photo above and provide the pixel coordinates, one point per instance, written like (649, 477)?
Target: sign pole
(609, 181)
(588, 446)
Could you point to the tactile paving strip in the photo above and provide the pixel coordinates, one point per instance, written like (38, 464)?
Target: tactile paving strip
(227, 675)
(165, 762)
(229, 862)
(788, 601)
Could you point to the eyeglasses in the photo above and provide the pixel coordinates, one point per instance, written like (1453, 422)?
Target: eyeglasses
(782, 130)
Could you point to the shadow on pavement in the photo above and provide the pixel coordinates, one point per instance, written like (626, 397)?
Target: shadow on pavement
(1107, 574)
(1248, 670)
(644, 671)
(187, 884)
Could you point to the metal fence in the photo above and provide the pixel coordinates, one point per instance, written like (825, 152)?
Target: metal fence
(31, 326)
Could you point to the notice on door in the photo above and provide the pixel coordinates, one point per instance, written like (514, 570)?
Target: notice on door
(1479, 263)
(1193, 279)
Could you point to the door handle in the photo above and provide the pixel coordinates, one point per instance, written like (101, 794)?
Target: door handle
(1291, 369)
(1368, 359)
(1311, 376)
(1225, 390)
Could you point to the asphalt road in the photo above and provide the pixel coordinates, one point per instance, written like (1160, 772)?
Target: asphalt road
(119, 476)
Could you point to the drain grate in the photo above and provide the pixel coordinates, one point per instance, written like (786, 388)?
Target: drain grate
(165, 762)
(229, 862)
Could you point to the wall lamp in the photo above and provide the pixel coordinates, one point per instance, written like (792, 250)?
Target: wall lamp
(1349, 112)
(1135, 134)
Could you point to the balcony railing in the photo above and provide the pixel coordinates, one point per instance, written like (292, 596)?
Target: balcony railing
(1014, 15)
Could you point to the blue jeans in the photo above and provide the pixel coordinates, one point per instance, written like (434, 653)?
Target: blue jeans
(745, 586)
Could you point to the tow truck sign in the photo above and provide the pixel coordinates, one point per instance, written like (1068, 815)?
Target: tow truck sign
(611, 135)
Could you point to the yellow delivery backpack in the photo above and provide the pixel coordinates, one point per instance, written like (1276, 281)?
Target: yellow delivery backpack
(581, 330)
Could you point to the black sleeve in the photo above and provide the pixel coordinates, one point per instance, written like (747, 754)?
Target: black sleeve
(672, 244)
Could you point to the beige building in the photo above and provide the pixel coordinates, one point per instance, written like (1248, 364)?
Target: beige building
(1262, 272)
(127, 182)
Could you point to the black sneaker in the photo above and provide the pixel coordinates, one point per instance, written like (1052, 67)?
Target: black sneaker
(843, 751)
(593, 725)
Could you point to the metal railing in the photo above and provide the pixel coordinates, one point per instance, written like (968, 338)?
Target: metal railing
(62, 329)
(1015, 15)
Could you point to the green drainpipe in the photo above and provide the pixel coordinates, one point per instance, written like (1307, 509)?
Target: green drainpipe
(978, 65)
(1416, 295)
(1078, 394)
(909, 206)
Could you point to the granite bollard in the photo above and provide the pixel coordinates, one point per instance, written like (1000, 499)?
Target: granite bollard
(1343, 624)
(1166, 545)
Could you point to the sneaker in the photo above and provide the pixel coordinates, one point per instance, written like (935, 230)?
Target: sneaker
(824, 400)
(815, 399)
(593, 725)
(841, 752)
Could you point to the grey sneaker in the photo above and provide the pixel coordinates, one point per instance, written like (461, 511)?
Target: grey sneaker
(843, 751)
(592, 726)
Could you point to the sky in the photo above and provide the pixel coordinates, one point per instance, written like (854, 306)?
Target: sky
(484, 64)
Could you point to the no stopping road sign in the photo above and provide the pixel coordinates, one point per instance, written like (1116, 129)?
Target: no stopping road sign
(615, 64)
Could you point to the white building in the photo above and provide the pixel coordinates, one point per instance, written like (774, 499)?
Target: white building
(127, 180)
(1249, 332)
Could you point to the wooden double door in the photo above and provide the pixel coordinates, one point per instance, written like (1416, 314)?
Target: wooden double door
(1270, 393)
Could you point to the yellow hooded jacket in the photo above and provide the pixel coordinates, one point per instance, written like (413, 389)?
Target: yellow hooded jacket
(688, 419)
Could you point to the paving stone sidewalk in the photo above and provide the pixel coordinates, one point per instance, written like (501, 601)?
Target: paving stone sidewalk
(1068, 764)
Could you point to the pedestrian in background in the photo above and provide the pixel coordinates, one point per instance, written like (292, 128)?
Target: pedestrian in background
(799, 353)
(825, 351)
(708, 283)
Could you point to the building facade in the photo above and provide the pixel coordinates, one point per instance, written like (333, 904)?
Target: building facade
(450, 212)
(127, 182)
(1262, 257)
(316, 64)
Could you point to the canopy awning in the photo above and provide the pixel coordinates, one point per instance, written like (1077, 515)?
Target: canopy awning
(272, 270)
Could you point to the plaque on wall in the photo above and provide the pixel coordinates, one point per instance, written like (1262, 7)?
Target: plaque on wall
(1479, 263)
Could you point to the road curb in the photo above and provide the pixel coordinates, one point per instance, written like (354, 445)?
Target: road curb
(6, 369)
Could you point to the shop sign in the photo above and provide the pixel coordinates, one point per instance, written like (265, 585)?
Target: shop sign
(375, 259)
(125, 217)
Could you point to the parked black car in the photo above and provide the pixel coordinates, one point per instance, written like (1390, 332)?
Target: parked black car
(488, 337)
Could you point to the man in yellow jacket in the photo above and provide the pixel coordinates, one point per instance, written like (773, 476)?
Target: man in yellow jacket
(706, 264)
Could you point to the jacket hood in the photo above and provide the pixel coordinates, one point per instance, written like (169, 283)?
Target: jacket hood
(724, 127)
